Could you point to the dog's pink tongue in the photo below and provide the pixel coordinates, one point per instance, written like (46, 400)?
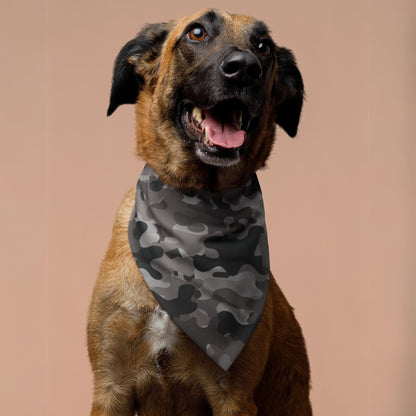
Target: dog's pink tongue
(223, 135)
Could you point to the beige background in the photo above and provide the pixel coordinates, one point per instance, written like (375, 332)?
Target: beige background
(340, 198)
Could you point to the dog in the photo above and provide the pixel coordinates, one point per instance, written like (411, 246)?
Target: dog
(209, 90)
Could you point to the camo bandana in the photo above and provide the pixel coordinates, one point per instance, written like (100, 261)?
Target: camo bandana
(205, 258)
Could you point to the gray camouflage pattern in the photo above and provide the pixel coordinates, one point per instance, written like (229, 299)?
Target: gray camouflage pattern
(205, 258)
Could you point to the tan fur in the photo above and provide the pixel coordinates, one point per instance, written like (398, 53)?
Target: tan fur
(270, 376)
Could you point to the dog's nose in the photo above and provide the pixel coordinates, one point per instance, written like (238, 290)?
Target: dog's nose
(241, 66)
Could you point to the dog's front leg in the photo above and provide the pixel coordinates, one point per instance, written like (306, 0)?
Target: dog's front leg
(227, 401)
(116, 353)
(231, 408)
(112, 400)
(111, 353)
(230, 393)
(113, 395)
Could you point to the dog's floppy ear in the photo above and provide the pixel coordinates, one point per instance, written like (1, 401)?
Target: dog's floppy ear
(291, 86)
(126, 81)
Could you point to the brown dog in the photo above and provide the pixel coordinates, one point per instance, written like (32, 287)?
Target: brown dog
(226, 68)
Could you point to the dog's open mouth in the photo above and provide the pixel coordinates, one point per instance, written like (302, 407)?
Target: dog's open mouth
(217, 133)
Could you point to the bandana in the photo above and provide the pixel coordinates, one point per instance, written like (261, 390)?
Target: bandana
(204, 256)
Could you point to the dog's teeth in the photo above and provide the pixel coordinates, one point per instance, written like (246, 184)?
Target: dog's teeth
(207, 139)
(197, 114)
(240, 119)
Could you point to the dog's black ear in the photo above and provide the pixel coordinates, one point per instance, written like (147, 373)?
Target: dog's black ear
(291, 86)
(126, 81)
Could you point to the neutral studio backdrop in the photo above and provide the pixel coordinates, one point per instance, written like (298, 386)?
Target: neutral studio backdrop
(340, 197)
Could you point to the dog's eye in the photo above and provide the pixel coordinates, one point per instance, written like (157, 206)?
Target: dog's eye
(264, 48)
(197, 33)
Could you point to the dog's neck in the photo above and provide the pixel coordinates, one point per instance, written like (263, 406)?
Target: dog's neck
(192, 176)
(204, 255)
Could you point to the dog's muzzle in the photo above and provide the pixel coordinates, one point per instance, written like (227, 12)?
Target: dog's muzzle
(215, 121)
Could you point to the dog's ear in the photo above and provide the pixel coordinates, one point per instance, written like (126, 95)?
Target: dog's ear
(291, 89)
(126, 80)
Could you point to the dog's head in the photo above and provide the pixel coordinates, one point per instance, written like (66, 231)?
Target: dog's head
(209, 89)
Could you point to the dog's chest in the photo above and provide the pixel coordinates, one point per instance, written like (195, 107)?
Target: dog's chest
(162, 333)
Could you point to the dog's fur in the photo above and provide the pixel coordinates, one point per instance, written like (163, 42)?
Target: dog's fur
(141, 362)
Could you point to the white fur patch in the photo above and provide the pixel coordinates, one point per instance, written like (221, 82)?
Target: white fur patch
(162, 333)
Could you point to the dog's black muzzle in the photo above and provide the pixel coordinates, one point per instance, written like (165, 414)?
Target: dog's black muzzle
(217, 106)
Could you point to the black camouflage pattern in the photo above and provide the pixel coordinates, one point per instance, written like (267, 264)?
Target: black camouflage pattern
(205, 258)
